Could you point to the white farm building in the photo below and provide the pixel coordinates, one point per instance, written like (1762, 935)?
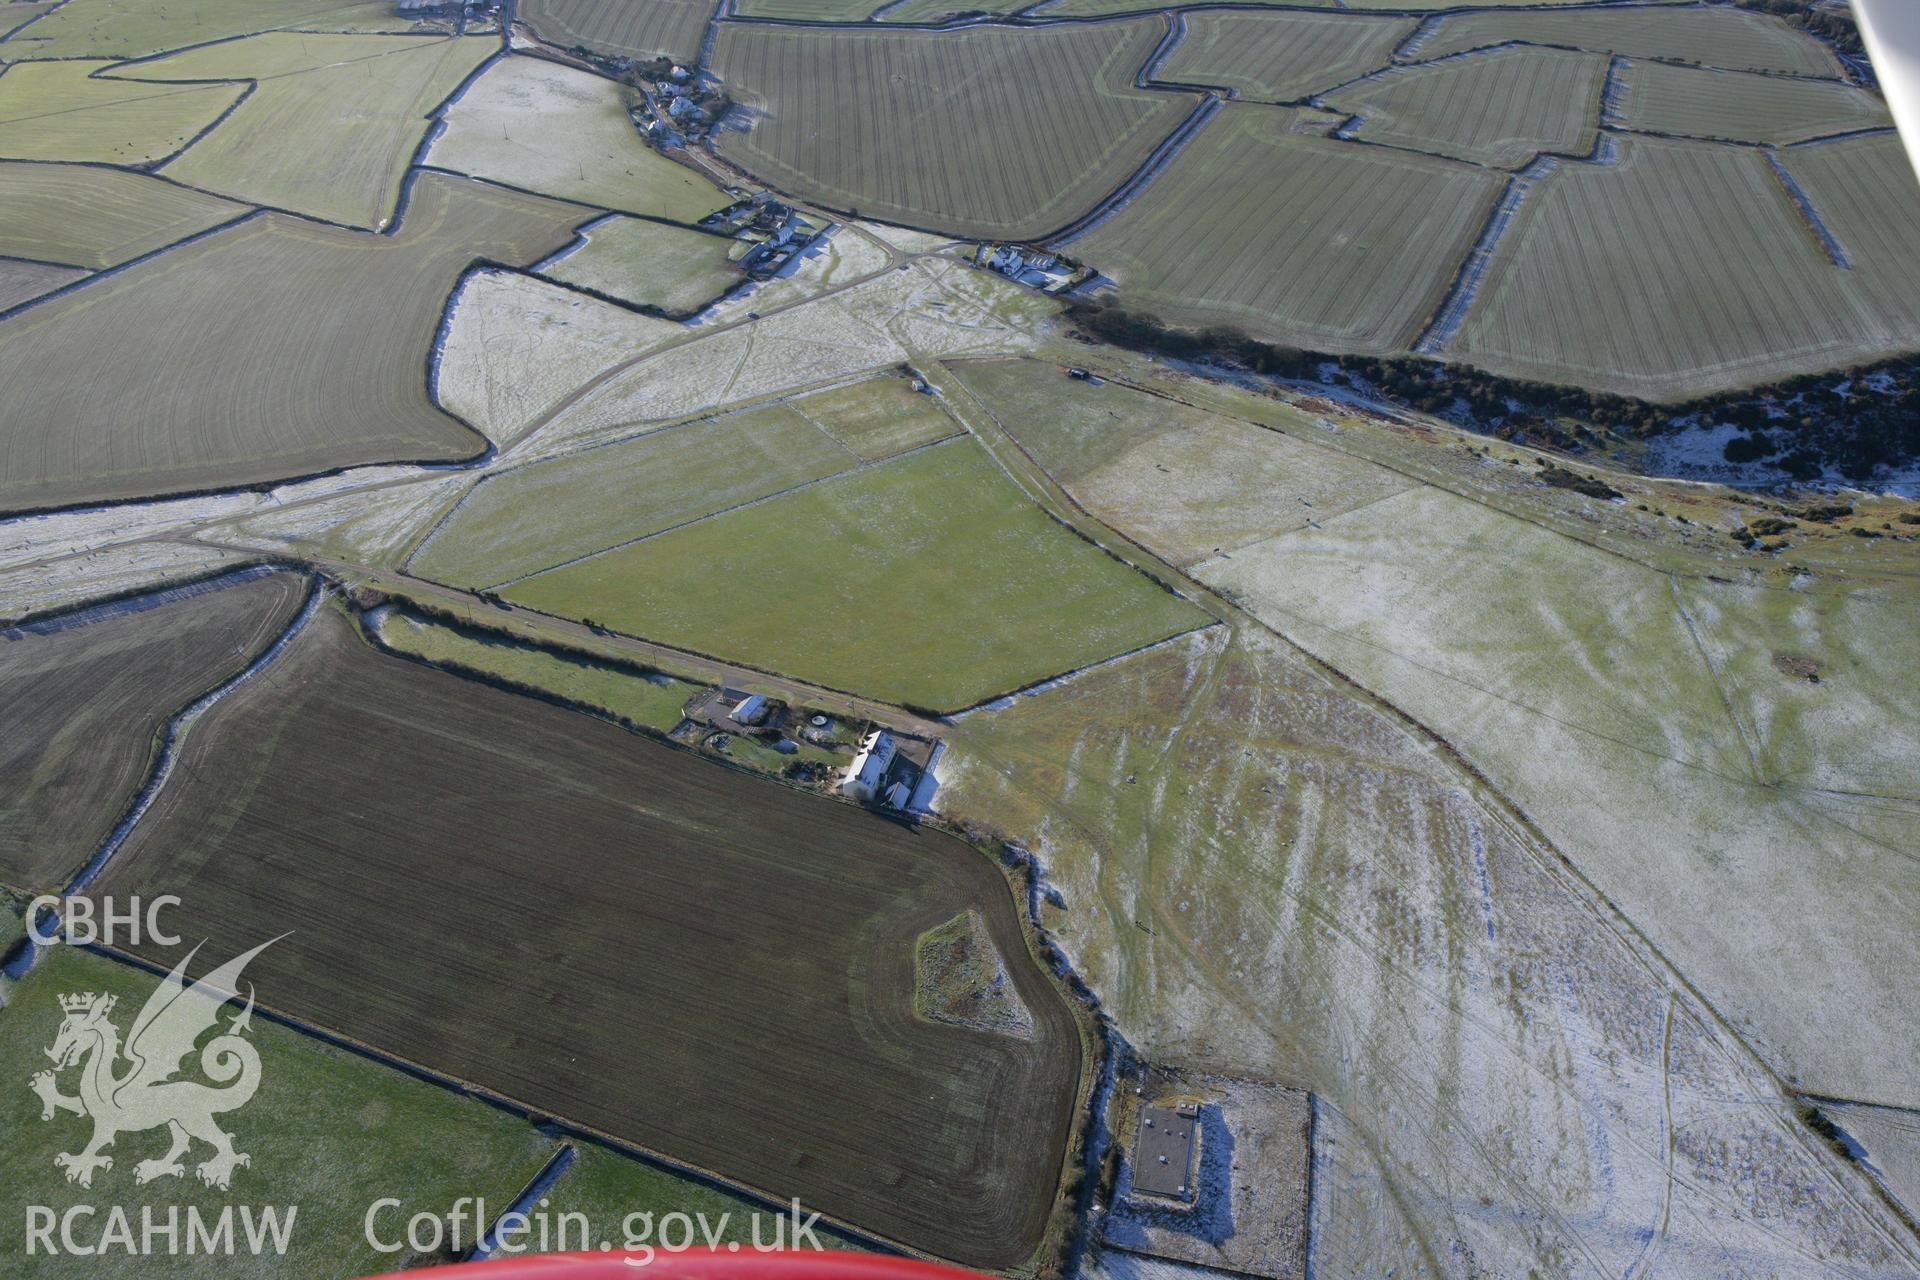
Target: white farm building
(869, 766)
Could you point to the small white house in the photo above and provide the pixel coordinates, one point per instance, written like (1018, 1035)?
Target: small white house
(869, 766)
(749, 710)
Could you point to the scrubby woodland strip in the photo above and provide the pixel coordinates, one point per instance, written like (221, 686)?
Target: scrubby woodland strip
(1836, 426)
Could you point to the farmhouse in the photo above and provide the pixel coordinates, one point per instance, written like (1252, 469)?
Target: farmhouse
(1163, 1152)
(1035, 268)
(869, 768)
(892, 772)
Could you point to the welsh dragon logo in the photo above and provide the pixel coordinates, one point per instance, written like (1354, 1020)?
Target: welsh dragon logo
(131, 1088)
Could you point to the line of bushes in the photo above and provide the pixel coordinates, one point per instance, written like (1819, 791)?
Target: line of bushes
(1829, 419)
(1835, 26)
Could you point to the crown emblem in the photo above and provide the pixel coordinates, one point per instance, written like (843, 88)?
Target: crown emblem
(78, 1002)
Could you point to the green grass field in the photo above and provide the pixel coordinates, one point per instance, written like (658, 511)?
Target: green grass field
(531, 518)
(672, 268)
(655, 703)
(1740, 107)
(534, 517)
(1280, 57)
(989, 131)
(1719, 36)
(292, 398)
(1501, 108)
(329, 1133)
(878, 417)
(135, 28)
(623, 28)
(88, 217)
(59, 111)
(1371, 240)
(1685, 268)
(333, 123)
(928, 580)
(550, 128)
(628, 1198)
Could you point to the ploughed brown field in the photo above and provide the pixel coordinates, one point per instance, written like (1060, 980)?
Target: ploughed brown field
(86, 697)
(709, 965)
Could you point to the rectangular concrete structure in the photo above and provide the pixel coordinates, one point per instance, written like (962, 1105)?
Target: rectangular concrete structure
(1163, 1152)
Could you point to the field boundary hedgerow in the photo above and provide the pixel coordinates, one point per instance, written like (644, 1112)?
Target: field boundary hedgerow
(176, 728)
(1494, 402)
(336, 688)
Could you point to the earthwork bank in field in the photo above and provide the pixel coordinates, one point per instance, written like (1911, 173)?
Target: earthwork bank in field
(928, 580)
(988, 131)
(653, 264)
(221, 376)
(1185, 482)
(86, 698)
(706, 964)
(1500, 108)
(1734, 105)
(332, 122)
(521, 521)
(517, 345)
(1297, 883)
(62, 111)
(135, 28)
(1654, 727)
(1717, 36)
(1372, 236)
(1273, 56)
(82, 216)
(1863, 193)
(24, 281)
(1683, 269)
